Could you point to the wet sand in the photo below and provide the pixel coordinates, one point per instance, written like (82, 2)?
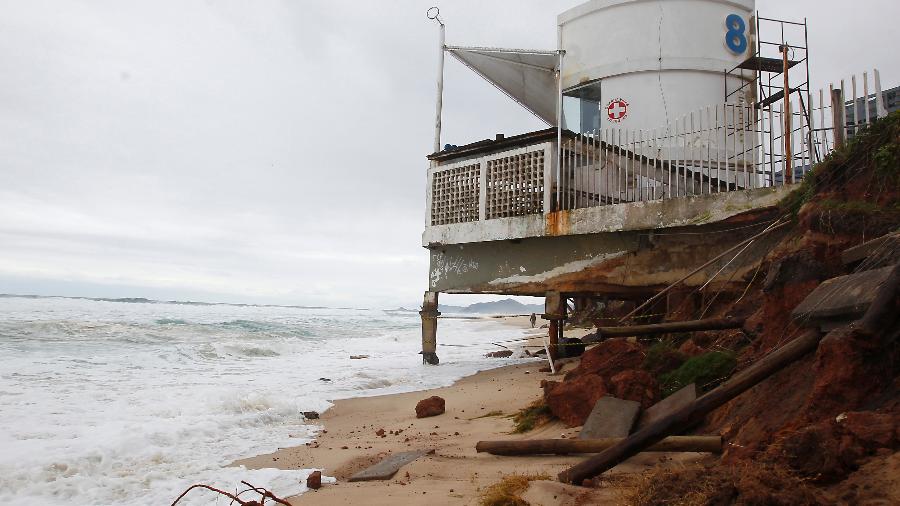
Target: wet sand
(454, 473)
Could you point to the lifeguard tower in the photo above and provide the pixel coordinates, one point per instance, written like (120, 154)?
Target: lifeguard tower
(673, 127)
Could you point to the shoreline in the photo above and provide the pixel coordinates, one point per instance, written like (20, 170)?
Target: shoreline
(455, 473)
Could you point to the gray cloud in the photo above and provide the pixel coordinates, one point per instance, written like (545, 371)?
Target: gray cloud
(264, 151)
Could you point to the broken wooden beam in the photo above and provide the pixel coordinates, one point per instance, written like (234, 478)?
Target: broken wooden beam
(693, 413)
(708, 444)
(682, 397)
(665, 328)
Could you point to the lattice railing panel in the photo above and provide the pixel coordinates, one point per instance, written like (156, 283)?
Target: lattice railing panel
(515, 185)
(454, 195)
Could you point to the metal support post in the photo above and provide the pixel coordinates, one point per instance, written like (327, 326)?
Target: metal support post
(429, 314)
(788, 128)
(559, 117)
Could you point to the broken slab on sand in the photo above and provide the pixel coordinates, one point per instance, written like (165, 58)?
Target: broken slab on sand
(388, 467)
(611, 417)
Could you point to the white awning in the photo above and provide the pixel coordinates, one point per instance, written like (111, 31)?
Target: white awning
(526, 76)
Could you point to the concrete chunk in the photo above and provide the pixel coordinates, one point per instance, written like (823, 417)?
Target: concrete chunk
(668, 405)
(611, 417)
(842, 298)
(388, 467)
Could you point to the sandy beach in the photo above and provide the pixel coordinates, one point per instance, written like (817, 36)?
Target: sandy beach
(455, 473)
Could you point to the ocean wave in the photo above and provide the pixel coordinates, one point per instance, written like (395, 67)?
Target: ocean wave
(171, 321)
(128, 404)
(251, 325)
(250, 351)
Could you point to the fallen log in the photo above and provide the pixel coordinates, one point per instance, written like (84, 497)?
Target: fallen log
(693, 413)
(665, 328)
(709, 444)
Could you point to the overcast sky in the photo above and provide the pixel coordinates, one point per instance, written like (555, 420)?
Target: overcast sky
(267, 151)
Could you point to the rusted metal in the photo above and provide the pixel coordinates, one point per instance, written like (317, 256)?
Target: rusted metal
(557, 223)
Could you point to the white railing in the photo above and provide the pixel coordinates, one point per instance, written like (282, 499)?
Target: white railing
(720, 148)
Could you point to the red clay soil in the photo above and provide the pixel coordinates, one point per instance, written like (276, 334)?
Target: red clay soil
(608, 358)
(833, 412)
(610, 368)
(572, 401)
(806, 434)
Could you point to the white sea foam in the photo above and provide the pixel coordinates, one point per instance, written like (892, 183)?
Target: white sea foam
(129, 403)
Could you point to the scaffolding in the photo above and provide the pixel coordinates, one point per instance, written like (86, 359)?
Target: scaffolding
(777, 69)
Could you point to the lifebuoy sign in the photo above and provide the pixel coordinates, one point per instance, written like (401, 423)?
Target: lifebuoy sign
(617, 110)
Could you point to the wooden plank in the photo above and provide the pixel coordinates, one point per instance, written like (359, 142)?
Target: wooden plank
(691, 414)
(669, 405)
(666, 328)
(711, 444)
(842, 298)
(611, 417)
(388, 467)
(886, 245)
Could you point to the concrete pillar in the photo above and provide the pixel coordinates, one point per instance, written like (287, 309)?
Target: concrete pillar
(555, 311)
(429, 314)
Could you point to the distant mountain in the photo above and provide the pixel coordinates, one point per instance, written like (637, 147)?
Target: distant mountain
(497, 307)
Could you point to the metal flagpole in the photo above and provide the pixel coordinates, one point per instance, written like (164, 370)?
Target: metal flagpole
(559, 114)
(434, 13)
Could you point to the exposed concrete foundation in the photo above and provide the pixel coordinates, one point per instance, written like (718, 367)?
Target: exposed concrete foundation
(622, 265)
(429, 314)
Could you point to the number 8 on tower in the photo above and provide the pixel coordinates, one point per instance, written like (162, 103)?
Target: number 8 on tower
(735, 38)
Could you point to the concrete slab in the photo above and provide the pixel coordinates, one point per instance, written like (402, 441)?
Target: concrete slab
(668, 405)
(611, 417)
(388, 467)
(841, 298)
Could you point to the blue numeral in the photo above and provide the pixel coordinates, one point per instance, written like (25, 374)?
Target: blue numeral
(734, 37)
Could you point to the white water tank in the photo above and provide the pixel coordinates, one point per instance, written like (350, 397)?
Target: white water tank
(646, 63)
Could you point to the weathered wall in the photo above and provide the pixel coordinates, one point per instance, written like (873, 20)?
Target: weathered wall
(632, 216)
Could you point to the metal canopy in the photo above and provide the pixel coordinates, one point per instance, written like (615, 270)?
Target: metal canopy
(526, 76)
